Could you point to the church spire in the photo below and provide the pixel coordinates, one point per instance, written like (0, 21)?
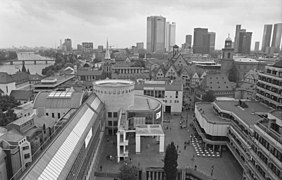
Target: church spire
(107, 55)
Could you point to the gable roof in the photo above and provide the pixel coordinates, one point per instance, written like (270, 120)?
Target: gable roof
(21, 94)
(278, 64)
(174, 69)
(35, 77)
(216, 82)
(20, 77)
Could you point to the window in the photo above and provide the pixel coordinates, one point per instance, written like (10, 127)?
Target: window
(59, 115)
(26, 156)
(115, 114)
(109, 114)
(115, 123)
(25, 147)
(47, 114)
(53, 115)
(110, 123)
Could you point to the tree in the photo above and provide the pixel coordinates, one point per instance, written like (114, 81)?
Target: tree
(23, 68)
(128, 172)
(209, 96)
(170, 162)
(233, 74)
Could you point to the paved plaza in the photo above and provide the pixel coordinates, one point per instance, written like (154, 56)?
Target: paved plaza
(225, 166)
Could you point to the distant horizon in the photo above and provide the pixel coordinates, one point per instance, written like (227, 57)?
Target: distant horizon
(35, 23)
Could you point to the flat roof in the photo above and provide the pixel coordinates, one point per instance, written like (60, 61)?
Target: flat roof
(60, 80)
(51, 100)
(113, 83)
(277, 113)
(155, 129)
(244, 59)
(22, 120)
(168, 86)
(249, 114)
(209, 113)
(142, 103)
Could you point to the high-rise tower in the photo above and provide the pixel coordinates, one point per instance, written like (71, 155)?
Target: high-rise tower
(276, 38)
(201, 41)
(156, 33)
(266, 37)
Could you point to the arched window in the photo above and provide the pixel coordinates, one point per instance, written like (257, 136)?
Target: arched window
(228, 55)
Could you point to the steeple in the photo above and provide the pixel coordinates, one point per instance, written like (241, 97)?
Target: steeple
(107, 55)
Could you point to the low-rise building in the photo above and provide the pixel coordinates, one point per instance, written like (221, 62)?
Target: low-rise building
(169, 92)
(22, 96)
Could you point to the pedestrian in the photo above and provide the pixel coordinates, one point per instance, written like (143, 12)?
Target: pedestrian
(195, 167)
(184, 147)
(101, 168)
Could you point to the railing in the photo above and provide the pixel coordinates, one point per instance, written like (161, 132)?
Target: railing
(270, 132)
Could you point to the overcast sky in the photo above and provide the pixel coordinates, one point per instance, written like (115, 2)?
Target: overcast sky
(123, 22)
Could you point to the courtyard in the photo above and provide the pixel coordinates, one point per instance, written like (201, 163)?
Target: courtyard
(225, 166)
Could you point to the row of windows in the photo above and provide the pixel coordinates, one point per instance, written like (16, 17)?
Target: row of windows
(269, 147)
(113, 92)
(53, 115)
(175, 101)
(155, 93)
(112, 123)
(112, 114)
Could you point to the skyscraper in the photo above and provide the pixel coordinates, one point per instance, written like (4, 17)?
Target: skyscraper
(201, 41)
(188, 41)
(257, 46)
(276, 38)
(211, 39)
(236, 41)
(245, 40)
(169, 36)
(266, 37)
(156, 33)
(67, 45)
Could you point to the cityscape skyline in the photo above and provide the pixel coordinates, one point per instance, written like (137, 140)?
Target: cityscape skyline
(28, 24)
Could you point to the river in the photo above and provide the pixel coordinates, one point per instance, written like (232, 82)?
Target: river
(33, 68)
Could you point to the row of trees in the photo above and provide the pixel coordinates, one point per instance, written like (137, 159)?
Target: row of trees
(7, 115)
(61, 61)
(8, 55)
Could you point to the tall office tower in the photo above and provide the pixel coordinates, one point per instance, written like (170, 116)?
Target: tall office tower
(169, 36)
(156, 33)
(68, 44)
(276, 38)
(257, 46)
(140, 45)
(172, 28)
(236, 39)
(245, 39)
(266, 37)
(188, 41)
(201, 41)
(211, 39)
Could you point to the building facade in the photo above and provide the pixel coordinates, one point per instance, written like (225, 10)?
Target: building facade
(211, 39)
(245, 40)
(170, 93)
(170, 36)
(269, 86)
(156, 33)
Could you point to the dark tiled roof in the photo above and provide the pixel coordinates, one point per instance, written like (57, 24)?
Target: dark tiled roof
(83, 72)
(5, 78)
(35, 77)
(20, 77)
(21, 94)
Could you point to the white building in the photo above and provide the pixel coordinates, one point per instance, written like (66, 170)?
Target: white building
(170, 93)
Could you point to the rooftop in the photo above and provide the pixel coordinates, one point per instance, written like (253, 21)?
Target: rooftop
(160, 85)
(208, 112)
(21, 94)
(22, 120)
(145, 103)
(57, 79)
(86, 72)
(113, 83)
(249, 114)
(244, 59)
(12, 136)
(277, 113)
(155, 129)
(45, 99)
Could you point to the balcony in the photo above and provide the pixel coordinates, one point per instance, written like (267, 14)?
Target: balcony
(239, 131)
(276, 103)
(267, 153)
(253, 168)
(270, 132)
(263, 165)
(268, 91)
(269, 75)
(236, 155)
(269, 83)
(243, 151)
